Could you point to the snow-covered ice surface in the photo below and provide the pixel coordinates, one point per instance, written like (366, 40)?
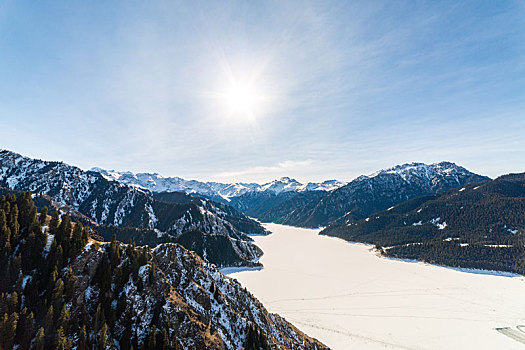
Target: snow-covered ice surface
(349, 298)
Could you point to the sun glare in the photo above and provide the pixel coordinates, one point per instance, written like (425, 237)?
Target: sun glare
(241, 99)
(241, 95)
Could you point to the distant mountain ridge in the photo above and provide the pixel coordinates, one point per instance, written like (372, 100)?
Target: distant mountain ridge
(369, 193)
(287, 201)
(214, 190)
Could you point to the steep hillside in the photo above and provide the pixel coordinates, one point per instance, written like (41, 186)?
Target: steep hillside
(213, 248)
(235, 217)
(477, 225)
(256, 203)
(112, 203)
(368, 194)
(59, 289)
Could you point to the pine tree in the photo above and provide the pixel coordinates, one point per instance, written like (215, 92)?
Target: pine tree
(57, 297)
(4, 237)
(151, 272)
(216, 295)
(63, 319)
(152, 338)
(12, 302)
(69, 285)
(15, 268)
(53, 224)
(175, 345)
(255, 339)
(76, 240)
(48, 319)
(14, 226)
(25, 328)
(63, 235)
(114, 252)
(82, 339)
(43, 216)
(40, 340)
(85, 236)
(59, 256)
(27, 212)
(51, 283)
(99, 319)
(8, 327)
(102, 338)
(61, 342)
(165, 340)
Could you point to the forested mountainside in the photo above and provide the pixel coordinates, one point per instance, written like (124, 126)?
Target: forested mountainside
(111, 203)
(60, 289)
(292, 211)
(477, 226)
(235, 217)
(213, 248)
(368, 194)
(255, 203)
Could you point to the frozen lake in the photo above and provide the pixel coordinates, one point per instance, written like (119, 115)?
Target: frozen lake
(348, 298)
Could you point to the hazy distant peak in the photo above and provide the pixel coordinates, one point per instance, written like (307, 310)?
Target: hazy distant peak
(216, 190)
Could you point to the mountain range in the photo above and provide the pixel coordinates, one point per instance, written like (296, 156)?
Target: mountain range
(371, 193)
(313, 205)
(170, 291)
(213, 190)
(144, 208)
(112, 203)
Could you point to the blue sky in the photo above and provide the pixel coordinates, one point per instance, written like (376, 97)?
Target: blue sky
(342, 88)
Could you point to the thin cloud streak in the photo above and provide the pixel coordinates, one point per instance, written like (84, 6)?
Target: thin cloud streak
(259, 172)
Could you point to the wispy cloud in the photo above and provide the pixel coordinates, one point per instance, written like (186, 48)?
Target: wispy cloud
(258, 173)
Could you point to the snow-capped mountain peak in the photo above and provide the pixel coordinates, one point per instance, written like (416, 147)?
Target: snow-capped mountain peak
(423, 171)
(215, 190)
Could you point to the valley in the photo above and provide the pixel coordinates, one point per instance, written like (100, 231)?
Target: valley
(379, 293)
(348, 297)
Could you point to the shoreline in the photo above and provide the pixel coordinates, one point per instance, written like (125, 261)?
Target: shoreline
(468, 270)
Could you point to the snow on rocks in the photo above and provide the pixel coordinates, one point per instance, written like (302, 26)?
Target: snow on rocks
(158, 183)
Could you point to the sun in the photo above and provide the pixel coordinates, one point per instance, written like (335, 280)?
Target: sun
(242, 101)
(240, 95)
(241, 98)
